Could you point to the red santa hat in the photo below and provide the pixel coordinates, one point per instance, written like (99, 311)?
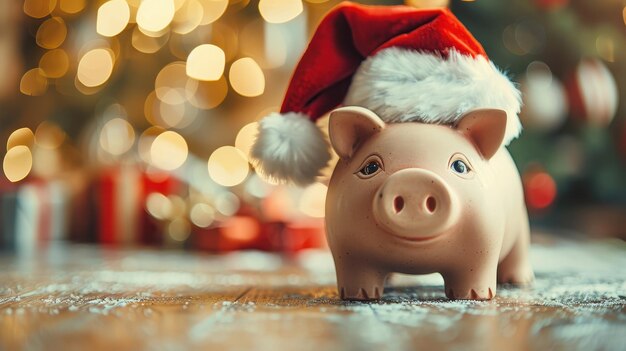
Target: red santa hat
(403, 63)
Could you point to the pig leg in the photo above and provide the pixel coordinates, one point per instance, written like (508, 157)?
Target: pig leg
(515, 267)
(359, 282)
(476, 282)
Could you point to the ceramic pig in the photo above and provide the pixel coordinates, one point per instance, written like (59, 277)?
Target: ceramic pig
(421, 198)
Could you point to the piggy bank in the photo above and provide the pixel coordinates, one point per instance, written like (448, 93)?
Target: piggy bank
(420, 198)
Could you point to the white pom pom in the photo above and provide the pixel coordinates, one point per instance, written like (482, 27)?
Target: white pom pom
(290, 148)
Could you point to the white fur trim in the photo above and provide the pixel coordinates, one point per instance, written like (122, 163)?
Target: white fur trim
(290, 148)
(403, 85)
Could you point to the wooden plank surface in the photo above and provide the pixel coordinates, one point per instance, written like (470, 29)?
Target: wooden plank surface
(81, 297)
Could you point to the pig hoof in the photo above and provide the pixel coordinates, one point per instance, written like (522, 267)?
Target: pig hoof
(361, 295)
(471, 295)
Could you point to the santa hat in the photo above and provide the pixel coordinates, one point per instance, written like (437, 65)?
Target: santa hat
(405, 64)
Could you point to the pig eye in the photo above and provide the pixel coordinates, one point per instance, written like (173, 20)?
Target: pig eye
(370, 168)
(460, 167)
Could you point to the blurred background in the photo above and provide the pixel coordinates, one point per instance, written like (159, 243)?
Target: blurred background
(129, 122)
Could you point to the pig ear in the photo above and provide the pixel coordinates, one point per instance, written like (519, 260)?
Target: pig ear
(485, 128)
(350, 126)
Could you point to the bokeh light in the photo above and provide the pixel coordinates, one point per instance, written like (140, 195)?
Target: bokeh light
(22, 136)
(113, 17)
(18, 162)
(71, 6)
(213, 9)
(540, 189)
(168, 151)
(117, 136)
(147, 44)
(170, 84)
(51, 33)
(228, 166)
(246, 137)
(155, 15)
(179, 229)
(49, 136)
(206, 94)
(34, 82)
(280, 11)
(188, 17)
(159, 206)
(144, 144)
(39, 8)
(202, 215)
(246, 77)
(54, 63)
(206, 62)
(95, 67)
(313, 199)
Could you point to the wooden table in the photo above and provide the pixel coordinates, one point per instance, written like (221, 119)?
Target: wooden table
(69, 297)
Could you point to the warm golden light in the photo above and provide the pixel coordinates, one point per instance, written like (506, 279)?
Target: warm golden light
(206, 95)
(313, 199)
(228, 166)
(179, 229)
(34, 83)
(144, 144)
(169, 151)
(188, 17)
(39, 8)
(95, 67)
(117, 136)
(202, 215)
(147, 44)
(49, 136)
(245, 137)
(155, 15)
(213, 9)
(246, 77)
(54, 63)
(206, 62)
(18, 162)
(170, 83)
(51, 33)
(22, 136)
(280, 11)
(424, 3)
(71, 6)
(159, 206)
(113, 17)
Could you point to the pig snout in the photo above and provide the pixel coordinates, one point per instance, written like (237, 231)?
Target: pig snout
(415, 204)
